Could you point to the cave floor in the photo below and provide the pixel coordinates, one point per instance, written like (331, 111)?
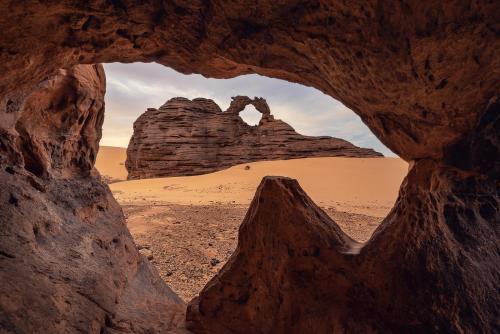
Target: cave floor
(188, 244)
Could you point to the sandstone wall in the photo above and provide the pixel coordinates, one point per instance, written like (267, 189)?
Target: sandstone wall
(68, 263)
(186, 137)
(423, 76)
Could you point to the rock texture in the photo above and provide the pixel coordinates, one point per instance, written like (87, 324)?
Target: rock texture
(422, 75)
(68, 263)
(413, 72)
(296, 271)
(186, 137)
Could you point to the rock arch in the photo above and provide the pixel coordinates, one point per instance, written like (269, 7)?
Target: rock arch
(423, 77)
(239, 103)
(192, 137)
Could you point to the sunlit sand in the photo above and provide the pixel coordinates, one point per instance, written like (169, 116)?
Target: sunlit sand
(190, 224)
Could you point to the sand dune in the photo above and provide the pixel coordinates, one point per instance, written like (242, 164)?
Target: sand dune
(366, 186)
(110, 162)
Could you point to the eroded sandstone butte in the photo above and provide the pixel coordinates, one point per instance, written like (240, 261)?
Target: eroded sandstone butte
(185, 137)
(422, 75)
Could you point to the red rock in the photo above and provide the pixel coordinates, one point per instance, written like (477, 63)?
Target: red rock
(423, 76)
(295, 271)
(186, 137)
(68, 261)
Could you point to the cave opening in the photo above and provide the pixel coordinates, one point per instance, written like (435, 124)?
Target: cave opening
(187, 226)
(68, 262)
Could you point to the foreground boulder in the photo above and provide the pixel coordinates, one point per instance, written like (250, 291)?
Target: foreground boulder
(185, 137)
(295, 271)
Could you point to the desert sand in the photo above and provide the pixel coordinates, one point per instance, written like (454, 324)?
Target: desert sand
(360, 185)
(188, 226)
(110, 162)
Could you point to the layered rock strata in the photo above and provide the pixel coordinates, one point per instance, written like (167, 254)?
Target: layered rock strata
(186, 137)
(423, 76)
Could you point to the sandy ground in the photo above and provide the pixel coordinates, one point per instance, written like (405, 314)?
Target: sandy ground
(110, 162)
(189, 225)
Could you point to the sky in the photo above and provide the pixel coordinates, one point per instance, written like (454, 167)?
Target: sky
(132, 88)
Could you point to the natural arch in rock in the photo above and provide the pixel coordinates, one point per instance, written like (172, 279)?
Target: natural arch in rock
(424, 78)
(192, 137)
(239, 103)
(250, 116)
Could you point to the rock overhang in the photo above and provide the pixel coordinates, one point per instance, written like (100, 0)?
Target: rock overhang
(422, 76)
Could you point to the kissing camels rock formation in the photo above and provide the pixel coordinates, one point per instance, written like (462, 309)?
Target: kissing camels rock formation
(185, 137)
(422, 75)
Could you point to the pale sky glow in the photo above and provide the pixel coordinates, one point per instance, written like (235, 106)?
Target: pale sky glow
(131, 88)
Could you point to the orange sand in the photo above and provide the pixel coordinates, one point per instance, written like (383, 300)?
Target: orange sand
(110, 162)
(357, 185)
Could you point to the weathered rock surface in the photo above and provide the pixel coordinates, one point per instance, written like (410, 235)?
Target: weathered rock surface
(185, 137)
(413, 72)
(68, 263)
(422, 75)
(296, 271)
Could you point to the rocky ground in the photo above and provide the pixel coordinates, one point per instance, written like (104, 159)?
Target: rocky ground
(189, 243)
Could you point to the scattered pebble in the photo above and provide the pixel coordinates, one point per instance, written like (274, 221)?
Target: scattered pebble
(147, 253)
(188, 256)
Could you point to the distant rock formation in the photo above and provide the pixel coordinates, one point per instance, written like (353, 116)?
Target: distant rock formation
(185, 137)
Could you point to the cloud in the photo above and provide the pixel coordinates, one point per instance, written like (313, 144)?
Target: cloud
(131, 88)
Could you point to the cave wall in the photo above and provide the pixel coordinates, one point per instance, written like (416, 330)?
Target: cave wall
(58, 127)
(413, 71)
(430, 267)
(68, 261)
(422, 75)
